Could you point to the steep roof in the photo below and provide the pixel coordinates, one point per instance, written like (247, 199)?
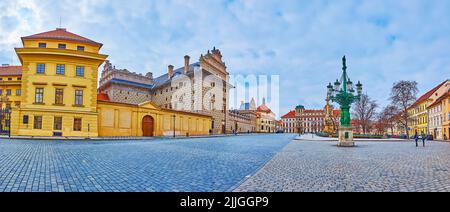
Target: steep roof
(314, 111)
(300, 107)
(427, 95)
(103, 97)
(10, 70)
(131, 83)
(62, 34)
(164, 79)
(440, 99)
(264, 108)
(336, 113)
(291, 114)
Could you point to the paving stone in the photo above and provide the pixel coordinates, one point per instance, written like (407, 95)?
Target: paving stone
(372, 166)
(207, 164)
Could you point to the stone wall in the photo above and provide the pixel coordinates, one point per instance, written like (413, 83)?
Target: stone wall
(129, 95)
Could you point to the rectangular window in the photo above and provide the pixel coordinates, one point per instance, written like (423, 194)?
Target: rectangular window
(80, 71)
(10, 79)
(60, 69)
(8, 92)
(18, 92)
(39, 96)
(1, 92)
(40, 68)
(80, 48)
(42, 45)
(79, 97)
(61, 46)
(59, 96)
(77, 124)
(57, 123)
(37, 122)
(25, 119)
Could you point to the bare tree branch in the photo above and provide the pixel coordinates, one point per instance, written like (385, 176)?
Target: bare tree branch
(365, 111)
(403, 96)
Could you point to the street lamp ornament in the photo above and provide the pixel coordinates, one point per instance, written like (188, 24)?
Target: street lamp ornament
(344, 94)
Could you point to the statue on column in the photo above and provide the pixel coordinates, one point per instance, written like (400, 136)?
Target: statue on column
(330, 127)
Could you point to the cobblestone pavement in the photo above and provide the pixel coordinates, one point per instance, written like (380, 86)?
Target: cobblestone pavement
(207, 164)
(321, 166)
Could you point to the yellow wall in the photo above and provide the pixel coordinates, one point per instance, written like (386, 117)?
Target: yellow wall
(98, 118)
(14, 84)
(53, 44)
(418, 119)
(446, 113)
(118, 119)
(30, 56)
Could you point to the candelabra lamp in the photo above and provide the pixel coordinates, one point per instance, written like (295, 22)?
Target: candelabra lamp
(343, 93)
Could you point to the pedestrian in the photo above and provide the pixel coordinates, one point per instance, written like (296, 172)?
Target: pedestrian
(416, 138)
(424, 137)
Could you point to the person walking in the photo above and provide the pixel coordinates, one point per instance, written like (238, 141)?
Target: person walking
(416, 138)
(424, 138)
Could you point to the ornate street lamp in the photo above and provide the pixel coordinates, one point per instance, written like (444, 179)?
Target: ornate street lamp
(343, 93)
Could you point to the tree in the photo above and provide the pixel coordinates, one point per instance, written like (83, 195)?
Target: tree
(380, 125)
(365, 111)
(403, 95)
(388, 117)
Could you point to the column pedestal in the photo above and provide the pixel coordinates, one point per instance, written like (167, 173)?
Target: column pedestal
(346, 137)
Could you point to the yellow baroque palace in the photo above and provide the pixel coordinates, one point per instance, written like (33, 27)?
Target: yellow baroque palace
(54, 93)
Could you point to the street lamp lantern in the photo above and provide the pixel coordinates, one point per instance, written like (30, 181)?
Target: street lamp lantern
(359, 88)
(345, 96)
(350, 85)
(330, 90)
(337, 85)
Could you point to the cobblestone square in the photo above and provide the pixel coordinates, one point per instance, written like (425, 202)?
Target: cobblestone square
(314, 166)
(205, 164)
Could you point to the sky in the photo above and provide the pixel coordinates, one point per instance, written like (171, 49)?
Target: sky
(301, 41)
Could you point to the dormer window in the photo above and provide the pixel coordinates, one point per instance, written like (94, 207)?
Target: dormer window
(80, 48)
(42, 45)
(61, 46)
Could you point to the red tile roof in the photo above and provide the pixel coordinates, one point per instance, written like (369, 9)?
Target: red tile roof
(355, 122)
(10, 70)
(313, 111)
(439, 101)
(427, 95)
(103, 97)
(336, 113)
(263, 108)
(291, 114)
(62, 34)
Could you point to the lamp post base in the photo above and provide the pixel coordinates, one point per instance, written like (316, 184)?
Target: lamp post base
(346, 137)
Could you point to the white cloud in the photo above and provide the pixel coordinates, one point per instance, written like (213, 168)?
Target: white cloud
(302, 41)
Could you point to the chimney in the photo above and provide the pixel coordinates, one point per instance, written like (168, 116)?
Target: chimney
(170, 71)
(186, 64)
(149, 75)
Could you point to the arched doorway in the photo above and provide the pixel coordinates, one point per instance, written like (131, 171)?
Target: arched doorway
(147, 126)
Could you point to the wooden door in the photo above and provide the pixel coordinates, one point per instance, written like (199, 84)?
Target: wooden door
(147, 126)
